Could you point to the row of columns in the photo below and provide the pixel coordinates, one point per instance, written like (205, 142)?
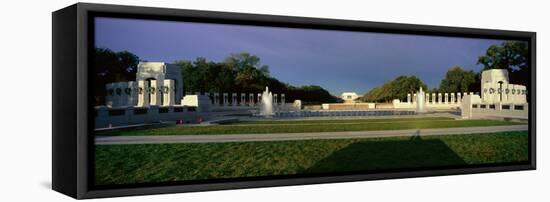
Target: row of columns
(142, 93)
(439, 98)
(246, 99)
(505, 93)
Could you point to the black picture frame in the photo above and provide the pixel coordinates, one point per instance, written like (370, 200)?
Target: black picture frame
(72, 142)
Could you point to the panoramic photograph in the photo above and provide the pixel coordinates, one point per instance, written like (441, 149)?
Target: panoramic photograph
(193, 102)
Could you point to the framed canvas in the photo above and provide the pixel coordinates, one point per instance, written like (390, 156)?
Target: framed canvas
(156, 100)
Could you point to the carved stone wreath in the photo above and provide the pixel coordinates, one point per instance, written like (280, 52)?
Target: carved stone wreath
(128, 91)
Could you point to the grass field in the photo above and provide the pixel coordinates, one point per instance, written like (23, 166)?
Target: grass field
(123, 164)
(312, 126)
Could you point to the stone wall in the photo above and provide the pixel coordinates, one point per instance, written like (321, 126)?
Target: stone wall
(474, 107)
(433, 101)
(141, 93)
(111, 117)
(240, 99)
(348, 106)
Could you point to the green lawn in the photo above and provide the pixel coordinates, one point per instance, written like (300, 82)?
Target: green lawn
(122, 164)
(312, 126)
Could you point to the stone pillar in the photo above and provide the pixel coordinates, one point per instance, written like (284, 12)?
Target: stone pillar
(282, 98)
(209, 95)
(484, 92)
(234, 99)
(143, 93)
(500, 93)
(427, 99)
(127, 92)
(154, 93)
(243, 99)
(251, 99)
(433, 98)
(458, 98)
(506, 92)
(297, 104)
(119, 95)
(439, 98)
(453, 101)
(135, 91)
(216, 99)
(522, 95)
(132, 93)
(225, 99)
(408, 98)
(414, 98)
(259, 99)
(466, 107)
(168, 93)
(109, 94)
(275, 99)
(446, 98)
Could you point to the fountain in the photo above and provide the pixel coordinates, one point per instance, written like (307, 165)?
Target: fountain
(420, 101)
(266, 106)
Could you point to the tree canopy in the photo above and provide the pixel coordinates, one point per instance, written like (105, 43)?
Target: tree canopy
(397, 88)
(458, 80)
(243, 72)
(510, 55)
(111, 66)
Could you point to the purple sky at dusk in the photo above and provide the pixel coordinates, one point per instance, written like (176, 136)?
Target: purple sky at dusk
(336, 60)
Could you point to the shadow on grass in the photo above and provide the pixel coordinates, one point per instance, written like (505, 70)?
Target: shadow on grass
(381, 155)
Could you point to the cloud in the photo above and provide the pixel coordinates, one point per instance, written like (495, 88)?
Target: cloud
(336, 60)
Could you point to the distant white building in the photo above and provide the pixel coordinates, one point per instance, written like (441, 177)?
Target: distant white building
(349, 97)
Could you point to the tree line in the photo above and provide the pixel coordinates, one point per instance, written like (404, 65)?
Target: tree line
(396, 88)
(244, 73)
(110, 66)
(237, 73)
(509, 55)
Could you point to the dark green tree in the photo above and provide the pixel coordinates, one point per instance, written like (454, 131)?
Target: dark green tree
(243, 72)
(510, 55)
(458, 80)
(111, 66)
(251, 75)
(403, 85)
(397, 88)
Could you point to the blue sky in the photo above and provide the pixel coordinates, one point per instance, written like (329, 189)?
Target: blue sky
(336, 60)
